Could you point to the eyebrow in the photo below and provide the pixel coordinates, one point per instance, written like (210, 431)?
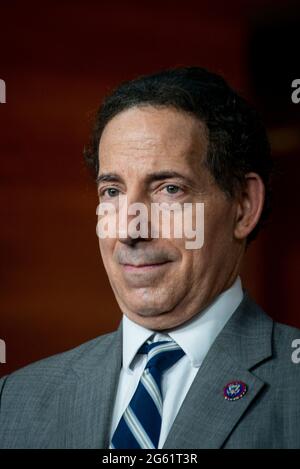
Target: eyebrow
(156, 176)
(108, 177)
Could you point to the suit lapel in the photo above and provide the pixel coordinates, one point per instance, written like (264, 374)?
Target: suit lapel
(86, 402)
(206, 418)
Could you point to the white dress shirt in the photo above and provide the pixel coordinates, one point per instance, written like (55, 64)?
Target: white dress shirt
(195, 337)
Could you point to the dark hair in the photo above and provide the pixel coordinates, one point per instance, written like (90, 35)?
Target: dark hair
(237, 138)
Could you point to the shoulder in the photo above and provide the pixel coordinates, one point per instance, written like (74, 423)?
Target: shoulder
(281, 370)
(261, 325)
(286, 347)
(43, 376)
(284, 333)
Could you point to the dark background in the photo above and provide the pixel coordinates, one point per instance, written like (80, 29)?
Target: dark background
(58, 59)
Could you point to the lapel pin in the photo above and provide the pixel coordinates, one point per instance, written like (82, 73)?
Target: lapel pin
(235, 390)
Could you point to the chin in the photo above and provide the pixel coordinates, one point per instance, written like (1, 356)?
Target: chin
(148, 302)
(156, 322)
(148, 311)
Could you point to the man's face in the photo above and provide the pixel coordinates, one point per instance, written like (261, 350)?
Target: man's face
(157, 155)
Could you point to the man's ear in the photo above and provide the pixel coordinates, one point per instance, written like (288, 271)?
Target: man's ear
(250, 205)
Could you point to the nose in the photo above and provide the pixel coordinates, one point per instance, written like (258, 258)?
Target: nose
(128, 241)
(134, 218)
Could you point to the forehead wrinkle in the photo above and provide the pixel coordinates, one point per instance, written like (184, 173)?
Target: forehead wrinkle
(138, 143)
(129, 143)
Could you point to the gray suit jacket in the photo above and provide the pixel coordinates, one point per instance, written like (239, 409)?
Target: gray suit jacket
(66, 401)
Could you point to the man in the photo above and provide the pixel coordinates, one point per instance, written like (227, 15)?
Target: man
(195, 362)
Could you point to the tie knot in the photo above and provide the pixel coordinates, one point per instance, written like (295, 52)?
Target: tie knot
(161, 355)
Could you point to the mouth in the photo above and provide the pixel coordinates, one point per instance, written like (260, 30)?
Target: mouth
(144, 267)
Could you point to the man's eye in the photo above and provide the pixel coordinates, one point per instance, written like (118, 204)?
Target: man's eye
(111, 192)
(172, 189)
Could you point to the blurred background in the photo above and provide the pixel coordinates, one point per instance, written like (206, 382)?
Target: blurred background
(58, 60)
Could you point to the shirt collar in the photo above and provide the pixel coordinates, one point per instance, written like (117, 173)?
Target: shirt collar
(195, 337)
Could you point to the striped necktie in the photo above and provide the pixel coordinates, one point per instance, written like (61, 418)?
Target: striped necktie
(140, 425)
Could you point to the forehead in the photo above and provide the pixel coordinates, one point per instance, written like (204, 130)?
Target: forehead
(152, 137)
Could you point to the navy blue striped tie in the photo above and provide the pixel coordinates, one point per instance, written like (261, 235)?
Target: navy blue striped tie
(140, 424)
